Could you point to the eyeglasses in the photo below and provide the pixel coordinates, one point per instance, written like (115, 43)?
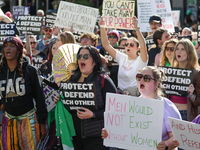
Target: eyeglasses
(47, 30)
(32, 43)
(85, 39)
(154, 23)
(147, 78)
(85, 56)
(169, 48)
(112, 36)
(131, 44)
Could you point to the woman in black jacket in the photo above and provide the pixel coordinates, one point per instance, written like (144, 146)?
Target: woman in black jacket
(19, 85)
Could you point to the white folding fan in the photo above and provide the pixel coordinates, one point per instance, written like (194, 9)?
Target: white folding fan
(64, 61)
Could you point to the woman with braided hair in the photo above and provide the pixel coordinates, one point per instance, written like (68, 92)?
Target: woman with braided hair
(19, 85)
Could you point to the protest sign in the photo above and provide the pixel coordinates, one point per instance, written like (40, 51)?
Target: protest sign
(133, 122)
(177, 81)
(37, 61)
(20, 11)
(6, 29)
(77, 95)
(29, 24)
(175, 17)
(163, 9)
(187, 133)
(82, 18)
(2, 3)
(50, 94)
(118, 14)
(111, 60)
(144, 13)
(50, 19)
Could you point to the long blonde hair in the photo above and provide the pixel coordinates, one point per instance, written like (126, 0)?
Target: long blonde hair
(191, 55)
(164, 59)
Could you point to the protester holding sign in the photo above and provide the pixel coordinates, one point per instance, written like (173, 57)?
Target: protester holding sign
(128, 64)
(149, 84)
(185, 57)
(164, 58)
(87, 123)
(20, 84)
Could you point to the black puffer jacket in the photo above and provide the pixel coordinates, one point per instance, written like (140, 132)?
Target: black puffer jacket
(17, 94)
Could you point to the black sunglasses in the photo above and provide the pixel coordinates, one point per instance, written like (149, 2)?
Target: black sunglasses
(85, 56)
(32, 42)
(131, 44)
(169, 48)
(147, 78)
(112, 37)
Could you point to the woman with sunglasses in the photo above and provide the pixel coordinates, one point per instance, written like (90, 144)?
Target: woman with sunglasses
(185, 57)
(164, 58)
(20, 84)
(129, 63)
(149, 84)
(87, 123)
(37, 56)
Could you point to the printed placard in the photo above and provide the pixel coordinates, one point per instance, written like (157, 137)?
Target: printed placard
(177, 81)
(118, 14)
(20, 11)
(82, 18)
(77, 95)
(111, 60)
(175, 17)
(6, 29)
(30, 24)
(187, 133)
(50, 19)
(37, 61)
(50, 94)
(163, 9)
(2, 3)
(144, 13)
(133, 122)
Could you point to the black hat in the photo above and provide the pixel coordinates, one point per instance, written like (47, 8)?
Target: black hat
(155, 18)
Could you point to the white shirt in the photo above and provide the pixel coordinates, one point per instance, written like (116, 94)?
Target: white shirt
(128, 70)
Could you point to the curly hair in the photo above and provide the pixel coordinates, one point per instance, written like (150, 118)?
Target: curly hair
(93, 37)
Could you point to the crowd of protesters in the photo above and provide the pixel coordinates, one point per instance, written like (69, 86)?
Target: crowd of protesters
(23, 115)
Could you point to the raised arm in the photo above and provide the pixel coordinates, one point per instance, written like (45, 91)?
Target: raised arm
(104, 40)
(5, 18)
(143, 48)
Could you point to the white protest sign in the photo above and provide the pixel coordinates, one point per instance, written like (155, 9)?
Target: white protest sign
(50, 94)
(133, 122)
(187, 133)
(118, 14)
(144, 13)
(175, 17)
(82, 18)
(163, 9)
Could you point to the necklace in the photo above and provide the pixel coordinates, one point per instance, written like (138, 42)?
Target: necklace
(130, 62)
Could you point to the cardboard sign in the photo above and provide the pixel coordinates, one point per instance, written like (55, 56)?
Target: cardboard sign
(29, 24)
(118, 14)
(77, 95)
(82, 18)
(37, 61)
(50, 94)
(20, 11)
(175, 17)
(144, 13)
(6, 29)
(177, 81)
(2, 3)
(133, 122)
(50, 19)
(111, 60)
(163, 9)
(187, 133)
